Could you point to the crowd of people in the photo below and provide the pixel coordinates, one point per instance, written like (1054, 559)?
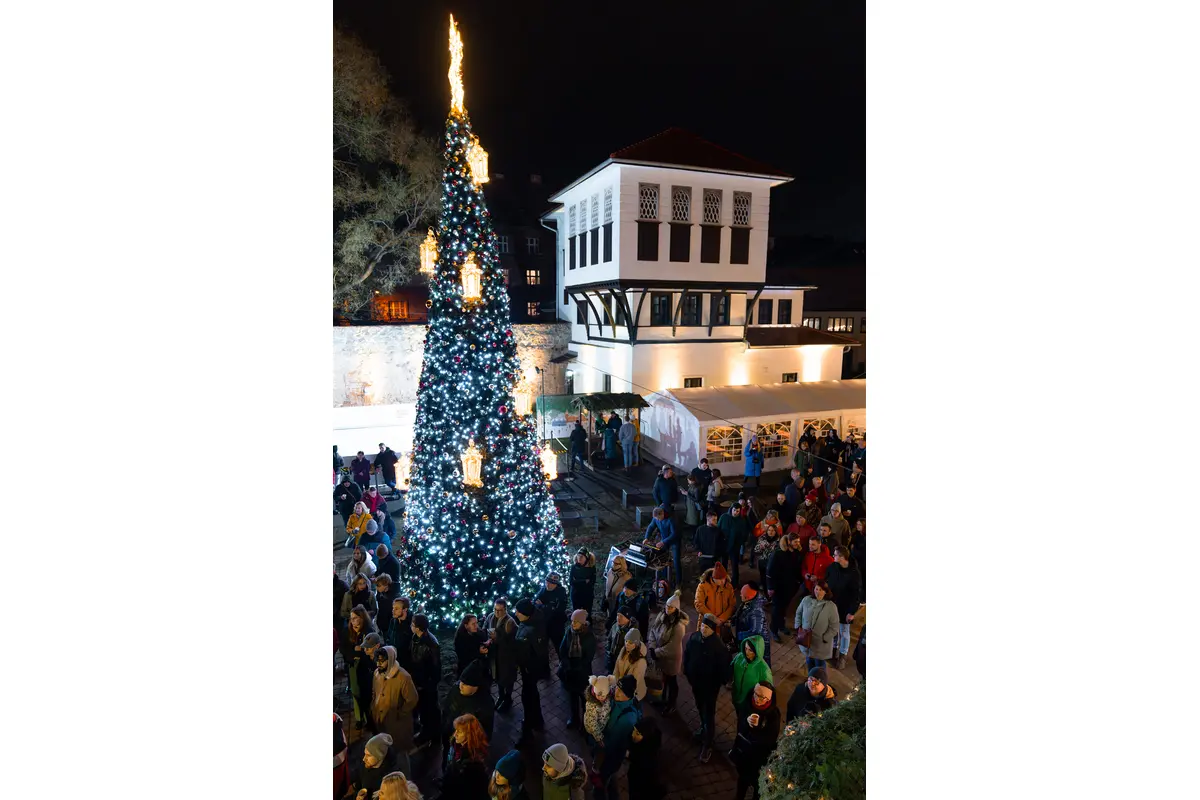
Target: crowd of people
(807, 546)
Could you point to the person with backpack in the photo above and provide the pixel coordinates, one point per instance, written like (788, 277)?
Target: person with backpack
(533, 661)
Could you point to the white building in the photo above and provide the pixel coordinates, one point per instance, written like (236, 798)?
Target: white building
(661, 268)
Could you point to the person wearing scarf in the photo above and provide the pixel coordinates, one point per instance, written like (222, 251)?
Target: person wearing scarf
(575, 654)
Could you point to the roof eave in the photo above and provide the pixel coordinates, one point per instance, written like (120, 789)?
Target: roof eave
(776, 178)
(557, 196)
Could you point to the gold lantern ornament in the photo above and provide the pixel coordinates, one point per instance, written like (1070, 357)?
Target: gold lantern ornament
(472, 280)
(404, 470)
(428, 253)
(523, 394)
(472, 464)
(549, 462)
(477, 160)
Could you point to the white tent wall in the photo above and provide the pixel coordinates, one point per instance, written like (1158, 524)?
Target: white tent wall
(670, 432)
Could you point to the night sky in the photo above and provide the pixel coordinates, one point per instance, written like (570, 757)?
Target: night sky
(554, 87)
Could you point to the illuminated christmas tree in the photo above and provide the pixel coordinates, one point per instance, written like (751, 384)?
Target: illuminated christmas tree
(479, 519)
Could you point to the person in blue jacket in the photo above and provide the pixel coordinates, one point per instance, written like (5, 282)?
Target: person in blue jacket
(618, 735)
(662, 532)
(666, 490)
(753, 456)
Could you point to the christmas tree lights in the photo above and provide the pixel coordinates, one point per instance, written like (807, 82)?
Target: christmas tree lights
(463, 543)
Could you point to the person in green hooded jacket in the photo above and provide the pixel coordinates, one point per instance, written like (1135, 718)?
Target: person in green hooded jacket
(749, 668)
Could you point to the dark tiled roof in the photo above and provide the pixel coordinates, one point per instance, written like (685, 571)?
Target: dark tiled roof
(794, 335)
(678, 147)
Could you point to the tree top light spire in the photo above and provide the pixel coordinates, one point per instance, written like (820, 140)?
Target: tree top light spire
(456, 57)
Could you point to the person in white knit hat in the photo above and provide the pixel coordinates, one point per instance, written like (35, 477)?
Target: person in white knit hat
(667, 636)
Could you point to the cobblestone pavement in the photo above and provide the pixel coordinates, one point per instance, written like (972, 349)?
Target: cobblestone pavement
(682, 773)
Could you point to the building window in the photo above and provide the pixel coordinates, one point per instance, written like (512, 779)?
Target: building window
(608, 205)
(395, 310)
(863, 327)
(533, 277)
(774, 438)
(812, 322)
(570, 382)
(596, 210)
(583, 237)
(690, 313)
(693, 383)
(681, 204)
(840, 324)
(712, 206)
(785, 312)
(739, 244)
(821, 427)
(660, 308)
(580, 312)
(571, 221)
(608, 223)
(502, 244)
(741, 209)
(648, 201)
(723, 443)
(719, 309)
(766, 312)
(533, 245)
(607, 382)
(790, 377)
(533, 309)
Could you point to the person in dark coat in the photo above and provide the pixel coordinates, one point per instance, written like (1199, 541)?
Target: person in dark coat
(533, 660)
(471, 644)
(552, 599)
(645, 768)
(399, 633)
(360, 470)
(426, 673)
(709, 541)
(502, 651)
(345, 495)
(386, 563)
(387, 525)
(704, 476)
(468, 696)
(666, 490)
(385, 462)
(707, 666)
(858, 551)
(386, 593)
(846, 585)
(464, 771)
(641, 601)
(379, 759)
(339, 592)
(860, 653)
(579, 439)
(757, 733)
(372, 538)
(814, 696)
(852, 506)
(783, 581)
(576, 650)
(363, 664)
(616, 637)
(610, 431)
(583, 580)
(735, 530)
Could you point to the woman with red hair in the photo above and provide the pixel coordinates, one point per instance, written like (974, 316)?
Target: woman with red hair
(465, 773)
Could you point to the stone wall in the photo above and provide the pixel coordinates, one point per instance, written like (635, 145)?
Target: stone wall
(380, 365)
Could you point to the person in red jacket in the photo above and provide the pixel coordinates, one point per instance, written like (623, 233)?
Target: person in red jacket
(373, 499)
(801, 531)
(816, 561)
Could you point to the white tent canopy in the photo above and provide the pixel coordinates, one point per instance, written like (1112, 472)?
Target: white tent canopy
(739, 403)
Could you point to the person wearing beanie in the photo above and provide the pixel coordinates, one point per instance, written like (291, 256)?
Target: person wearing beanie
(598, 700)
(811, 509)
(508, 778)
(379, 758)
(583, 580)
(426, 673)
(393, 698)
(386, 592)
(618, 735)
(631, 662)
(750, 618)
(469, 696)
(735, 529)
(706, 665)
(552, 599)
(667, 636)
(614, 584)
(576, 651)
(644, 764)
(783, 572)
(386, 562)
(715, 595)
(563, 774)
(533, 660)
(616, 636)
(708, 540)
(757, 733)
(801, 531)
(372, 536)
(641, 601)
(502, 652)
(814, 696)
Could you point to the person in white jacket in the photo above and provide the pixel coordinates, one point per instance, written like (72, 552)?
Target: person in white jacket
(360, 562)
(632, 661)
(627, 436)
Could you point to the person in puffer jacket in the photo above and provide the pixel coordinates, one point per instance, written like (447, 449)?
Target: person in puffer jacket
(667, 636)
(750, 619)
(563, 774)
(598, 706)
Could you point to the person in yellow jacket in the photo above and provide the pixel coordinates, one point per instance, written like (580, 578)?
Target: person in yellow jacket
(637, 440)
(356, 526)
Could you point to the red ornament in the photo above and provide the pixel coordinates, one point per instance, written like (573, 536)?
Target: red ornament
(503, 409)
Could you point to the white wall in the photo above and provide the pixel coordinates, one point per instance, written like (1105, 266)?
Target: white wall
(664, 366)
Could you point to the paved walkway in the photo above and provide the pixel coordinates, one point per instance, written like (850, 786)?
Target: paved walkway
(682, 773)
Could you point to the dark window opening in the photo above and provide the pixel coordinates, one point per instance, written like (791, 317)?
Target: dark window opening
(681, 241)
(583, 262)
(710, 244)
(719, 310)
(660, 308)
(690, 314)
(739, 246)
(790, 377)
(571, 247)
(766, 312)
(607, 382)
(595, 246)
(580, 313)
(647, 246)
(785, 312)
(607, 242)
(570, 382)
(693, 383)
